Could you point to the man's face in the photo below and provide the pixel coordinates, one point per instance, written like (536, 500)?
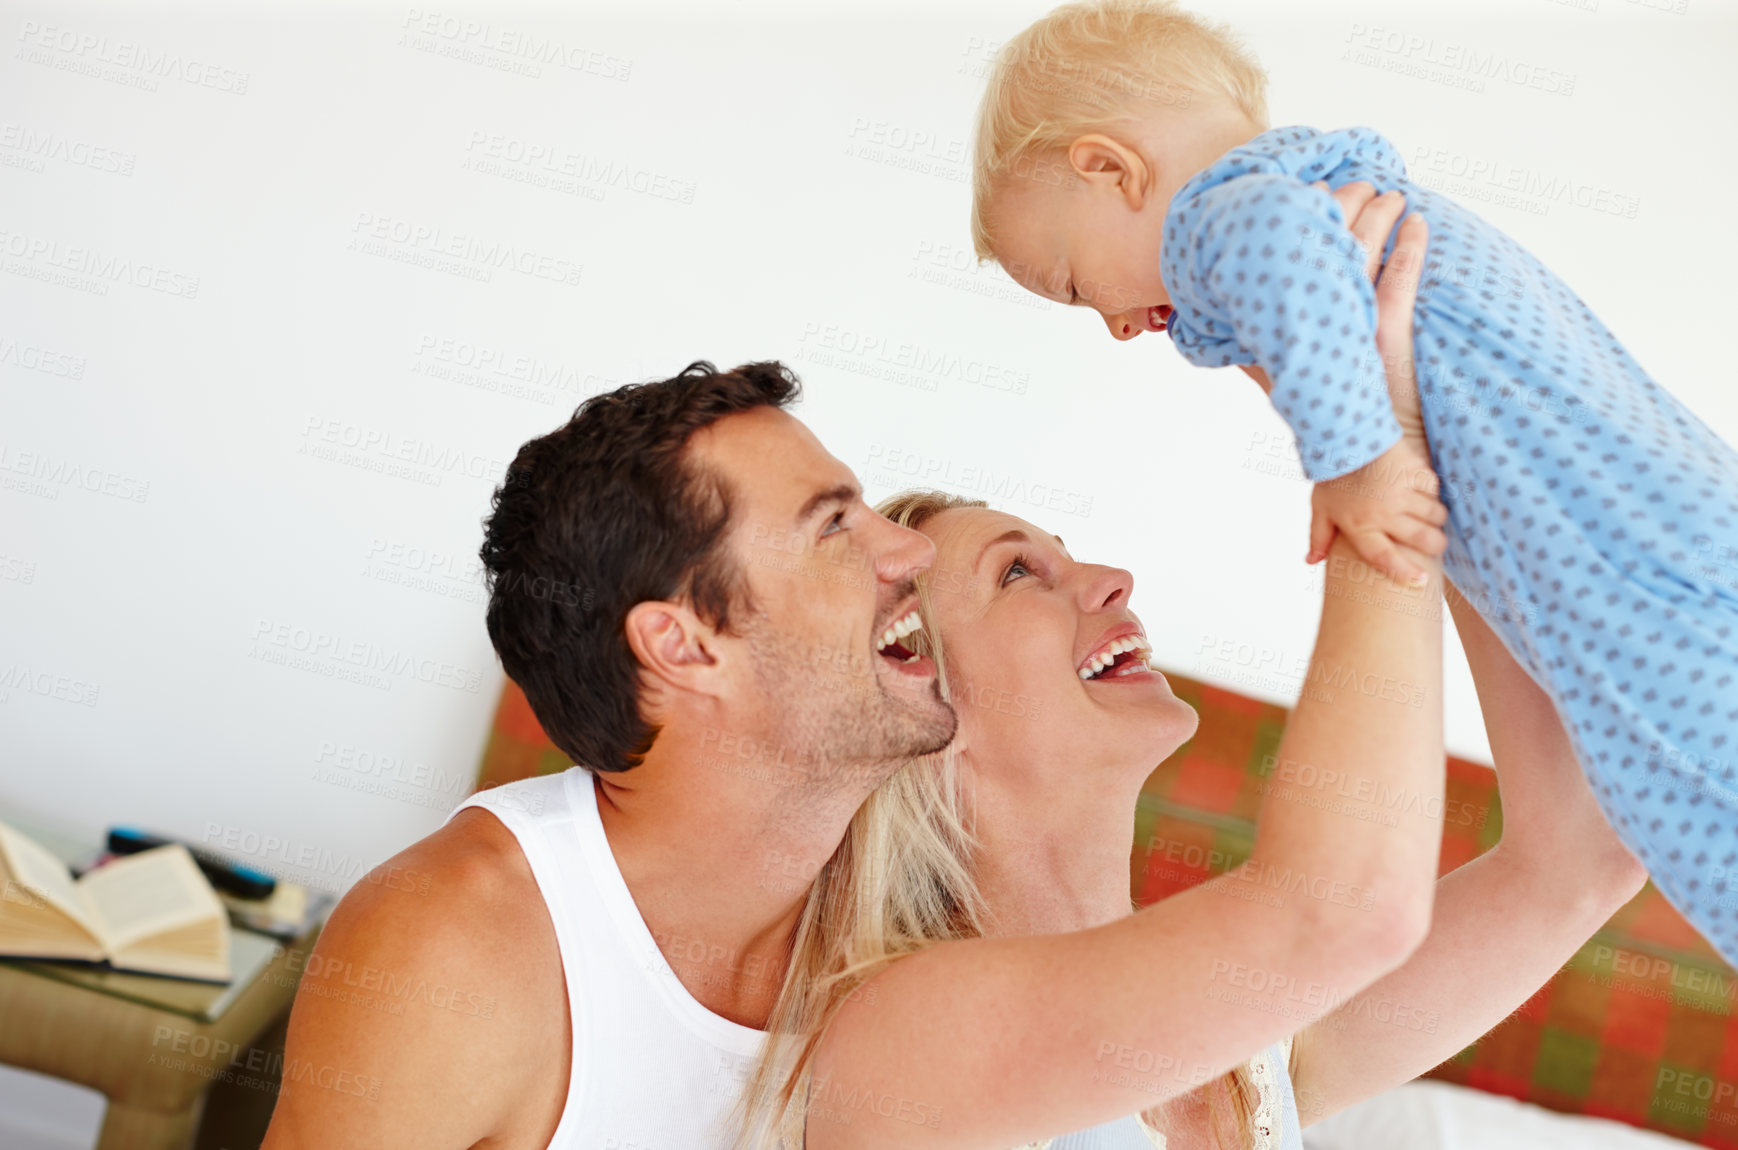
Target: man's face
(829, 582)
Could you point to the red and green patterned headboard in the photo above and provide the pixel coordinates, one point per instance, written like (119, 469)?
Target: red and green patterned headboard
(517, 748)
(1638, 1027)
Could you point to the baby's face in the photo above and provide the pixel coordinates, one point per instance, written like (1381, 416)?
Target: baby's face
(1085, 242)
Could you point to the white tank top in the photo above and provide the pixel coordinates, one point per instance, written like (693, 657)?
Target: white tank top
(652, 1068)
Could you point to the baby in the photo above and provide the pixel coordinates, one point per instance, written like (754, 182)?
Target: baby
(1123, 161)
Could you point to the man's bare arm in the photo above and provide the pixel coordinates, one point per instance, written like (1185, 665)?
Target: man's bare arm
(434, 992)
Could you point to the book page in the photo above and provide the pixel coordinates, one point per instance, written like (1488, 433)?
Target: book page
(46, 877)
(174, 962)
(149, 893)
(30, 927)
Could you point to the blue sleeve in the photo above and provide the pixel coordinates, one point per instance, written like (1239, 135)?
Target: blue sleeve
(1262, 270)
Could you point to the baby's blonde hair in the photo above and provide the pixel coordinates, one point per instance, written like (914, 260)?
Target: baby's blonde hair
(1096, 66)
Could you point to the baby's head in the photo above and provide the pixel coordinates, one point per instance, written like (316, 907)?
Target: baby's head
(1094, 117)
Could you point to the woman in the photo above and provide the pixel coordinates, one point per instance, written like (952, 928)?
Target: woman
(1183, 1010)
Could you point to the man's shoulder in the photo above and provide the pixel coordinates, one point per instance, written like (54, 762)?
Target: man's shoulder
(439, 979)
(453, 925)
(430, 899)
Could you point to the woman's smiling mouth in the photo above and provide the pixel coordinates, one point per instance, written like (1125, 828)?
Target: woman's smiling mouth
(1126, 655)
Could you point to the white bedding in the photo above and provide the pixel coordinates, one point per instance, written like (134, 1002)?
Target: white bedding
(1440, 1116)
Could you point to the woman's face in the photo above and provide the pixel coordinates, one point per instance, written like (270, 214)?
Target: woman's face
(1045, 660)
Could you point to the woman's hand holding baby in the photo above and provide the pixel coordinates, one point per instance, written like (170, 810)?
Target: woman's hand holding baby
(1393, 499)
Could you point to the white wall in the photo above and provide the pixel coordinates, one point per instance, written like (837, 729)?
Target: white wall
(804, 187)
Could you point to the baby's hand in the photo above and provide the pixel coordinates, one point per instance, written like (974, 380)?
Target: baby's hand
(1392, 499)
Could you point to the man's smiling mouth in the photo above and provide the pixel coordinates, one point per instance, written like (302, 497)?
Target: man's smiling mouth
(889, 645)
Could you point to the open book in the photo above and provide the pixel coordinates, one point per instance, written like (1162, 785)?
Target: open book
(152, 912)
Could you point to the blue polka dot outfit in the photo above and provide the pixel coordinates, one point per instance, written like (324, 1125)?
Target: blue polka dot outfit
(1593, 520)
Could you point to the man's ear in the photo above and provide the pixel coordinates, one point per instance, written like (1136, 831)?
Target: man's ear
(672, 643)
(1104, 163)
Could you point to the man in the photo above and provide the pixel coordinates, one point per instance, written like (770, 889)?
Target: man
(587, 959)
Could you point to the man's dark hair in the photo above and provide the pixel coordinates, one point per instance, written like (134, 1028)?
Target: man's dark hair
(602, 513)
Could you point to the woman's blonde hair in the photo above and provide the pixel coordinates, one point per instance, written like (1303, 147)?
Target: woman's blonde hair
(1096, 66)
(901, 880)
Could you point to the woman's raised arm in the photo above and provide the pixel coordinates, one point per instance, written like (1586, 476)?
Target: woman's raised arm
(1559, 869)
(1505, 922)
(995, 1042)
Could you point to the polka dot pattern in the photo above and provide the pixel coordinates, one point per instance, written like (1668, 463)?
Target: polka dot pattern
(1593, 519)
